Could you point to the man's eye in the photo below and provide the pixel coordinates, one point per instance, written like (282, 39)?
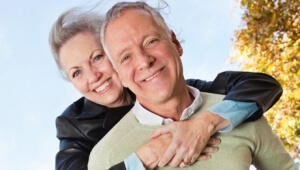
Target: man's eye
(75, 74)
(151, 42)
(125, 58)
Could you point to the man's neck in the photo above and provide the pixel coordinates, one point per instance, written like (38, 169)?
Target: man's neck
(173, 107)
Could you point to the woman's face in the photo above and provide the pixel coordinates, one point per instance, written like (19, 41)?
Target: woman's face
(90, 71)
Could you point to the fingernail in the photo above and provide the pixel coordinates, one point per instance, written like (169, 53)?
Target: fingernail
(161, 164)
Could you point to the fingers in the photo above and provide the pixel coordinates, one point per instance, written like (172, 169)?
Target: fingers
(182, 154)
(168, 155)
(161, 130)
(185, 152)
(186, 163)
(214, 141)
(177, 160)
(204, 157)
(174, 154)
(210, 149)
(182, 165)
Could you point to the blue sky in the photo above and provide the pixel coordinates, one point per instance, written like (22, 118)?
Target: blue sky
(33, 93)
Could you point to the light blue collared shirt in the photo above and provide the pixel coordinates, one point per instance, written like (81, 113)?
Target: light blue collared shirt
(234, 111)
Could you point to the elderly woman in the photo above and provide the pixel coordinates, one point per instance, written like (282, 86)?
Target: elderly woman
(79, 55)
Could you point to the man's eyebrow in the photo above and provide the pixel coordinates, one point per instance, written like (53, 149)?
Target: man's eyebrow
(142, 39)
(122, 51)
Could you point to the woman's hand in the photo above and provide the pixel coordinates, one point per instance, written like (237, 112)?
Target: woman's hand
(189, 139)
(152, 152)
(209, 148)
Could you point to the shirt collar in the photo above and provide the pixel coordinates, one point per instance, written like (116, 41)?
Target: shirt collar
(146, 117)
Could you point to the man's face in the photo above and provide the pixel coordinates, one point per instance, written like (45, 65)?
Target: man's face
(148, 61)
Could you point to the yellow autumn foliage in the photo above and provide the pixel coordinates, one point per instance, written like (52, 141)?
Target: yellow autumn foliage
(269, 42)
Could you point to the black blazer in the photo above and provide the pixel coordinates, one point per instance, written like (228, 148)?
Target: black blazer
(84, 123)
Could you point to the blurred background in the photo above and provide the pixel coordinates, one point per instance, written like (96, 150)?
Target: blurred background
(33, 93)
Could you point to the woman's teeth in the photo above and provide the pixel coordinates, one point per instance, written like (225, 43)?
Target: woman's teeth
(104, 86)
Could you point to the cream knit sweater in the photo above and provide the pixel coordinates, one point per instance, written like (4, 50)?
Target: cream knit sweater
(249, 143)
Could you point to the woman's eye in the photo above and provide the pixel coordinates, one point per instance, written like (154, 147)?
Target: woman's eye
(75, 74)
(98, 57)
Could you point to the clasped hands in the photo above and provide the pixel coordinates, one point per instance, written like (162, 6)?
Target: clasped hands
(179, 144)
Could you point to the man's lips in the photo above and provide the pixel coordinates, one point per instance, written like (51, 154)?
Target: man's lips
(103, 86)
(154, 75)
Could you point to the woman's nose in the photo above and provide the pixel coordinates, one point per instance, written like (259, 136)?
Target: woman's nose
(94, 76)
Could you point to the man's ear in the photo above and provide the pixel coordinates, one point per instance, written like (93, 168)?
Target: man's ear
(177, 43)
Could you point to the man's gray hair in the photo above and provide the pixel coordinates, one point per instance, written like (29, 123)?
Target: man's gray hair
(116, 10)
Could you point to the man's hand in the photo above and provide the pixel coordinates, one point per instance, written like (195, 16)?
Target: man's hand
(190, 138)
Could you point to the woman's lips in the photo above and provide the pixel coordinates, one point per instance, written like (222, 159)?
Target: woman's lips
(103, 86)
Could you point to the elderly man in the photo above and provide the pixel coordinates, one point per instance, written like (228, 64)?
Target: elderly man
(146, 55)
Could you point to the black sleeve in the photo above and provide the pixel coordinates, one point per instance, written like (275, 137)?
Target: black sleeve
(71, 157)
(243, 86)
(74, 149)
(119, 166)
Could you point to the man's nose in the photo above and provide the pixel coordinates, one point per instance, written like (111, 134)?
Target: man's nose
(145, 61)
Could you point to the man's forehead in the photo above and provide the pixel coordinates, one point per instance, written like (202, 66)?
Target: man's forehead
(130, 14)
(132, 25)
(135, 12)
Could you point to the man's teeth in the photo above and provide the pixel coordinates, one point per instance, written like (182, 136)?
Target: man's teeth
(153, 76)
(103, 87)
